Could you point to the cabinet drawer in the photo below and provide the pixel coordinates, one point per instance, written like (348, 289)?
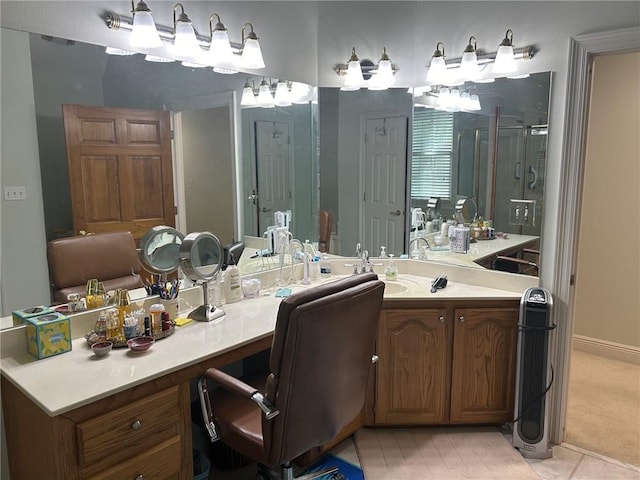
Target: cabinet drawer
(161, 462)
(120, 434)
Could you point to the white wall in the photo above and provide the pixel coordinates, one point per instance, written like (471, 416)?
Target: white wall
(25, 276)
(607, 301)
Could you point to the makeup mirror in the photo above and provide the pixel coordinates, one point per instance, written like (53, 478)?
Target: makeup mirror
(200, 257)
(159, 249)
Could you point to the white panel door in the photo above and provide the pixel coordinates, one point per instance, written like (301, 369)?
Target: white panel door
(273, 165)
(385, 167)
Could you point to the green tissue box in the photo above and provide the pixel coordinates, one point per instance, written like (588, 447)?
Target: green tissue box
(48, 335)
(21, 316)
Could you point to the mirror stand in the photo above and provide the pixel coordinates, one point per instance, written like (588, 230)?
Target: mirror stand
(206, 312)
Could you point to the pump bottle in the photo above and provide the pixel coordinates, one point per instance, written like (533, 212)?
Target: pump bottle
(232, 290)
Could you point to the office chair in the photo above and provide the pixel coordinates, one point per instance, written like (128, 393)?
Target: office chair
(525, 266)
(319, 366)
(325, 231)
(110, 257)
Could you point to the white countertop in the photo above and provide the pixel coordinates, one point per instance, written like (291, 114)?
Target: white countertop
(61, 383)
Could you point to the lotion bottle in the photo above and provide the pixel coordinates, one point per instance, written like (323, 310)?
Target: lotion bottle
(232, 290)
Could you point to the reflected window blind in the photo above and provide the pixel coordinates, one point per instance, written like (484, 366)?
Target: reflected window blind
(432, 155)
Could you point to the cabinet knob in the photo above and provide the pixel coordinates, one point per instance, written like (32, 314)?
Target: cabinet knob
(140, 477)
(137, 425)
(441, 318)
(462, 319)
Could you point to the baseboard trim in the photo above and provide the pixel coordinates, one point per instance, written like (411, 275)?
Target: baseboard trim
(616, 351)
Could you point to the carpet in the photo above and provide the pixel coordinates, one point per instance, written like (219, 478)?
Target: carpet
(442, 453)
(347, 470)
(602, 409)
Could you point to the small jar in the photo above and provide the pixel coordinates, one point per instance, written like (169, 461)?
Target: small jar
(73, 302)
(156, 311)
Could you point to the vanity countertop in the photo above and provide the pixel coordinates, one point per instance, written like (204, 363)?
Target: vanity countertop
(61, 383)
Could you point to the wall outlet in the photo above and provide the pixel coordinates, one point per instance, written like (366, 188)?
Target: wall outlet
(15, 193)
(522, 212)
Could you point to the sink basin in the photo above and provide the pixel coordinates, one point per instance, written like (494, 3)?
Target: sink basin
(394, 288)
(400, 286)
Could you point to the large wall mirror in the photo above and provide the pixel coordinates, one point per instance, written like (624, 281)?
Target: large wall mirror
(324, 146)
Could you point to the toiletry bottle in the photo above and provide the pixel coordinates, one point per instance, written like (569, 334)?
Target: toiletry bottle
(232, 290)
(325, 266)
(314, 268)
(391, 272)
(123, 304)
(156, 311)
(383, 252)
(101, 325)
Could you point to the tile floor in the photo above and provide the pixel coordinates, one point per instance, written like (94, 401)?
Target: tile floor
(568, 463)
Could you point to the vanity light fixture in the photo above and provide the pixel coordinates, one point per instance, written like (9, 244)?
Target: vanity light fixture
(185, 43)
(356, 73)
(469, 69)
(251, 51)
(505, 61)
(437, 73)
(144, 32)
(220, 52)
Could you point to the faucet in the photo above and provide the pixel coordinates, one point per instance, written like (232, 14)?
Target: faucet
(364, 263)
(416, 241)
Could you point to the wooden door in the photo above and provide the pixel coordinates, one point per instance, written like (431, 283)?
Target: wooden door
(412, 381)
(273, 165)
(384, 184)
(120, 170)
(484, 361)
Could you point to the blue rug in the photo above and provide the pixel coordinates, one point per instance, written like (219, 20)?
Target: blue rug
(348, 470)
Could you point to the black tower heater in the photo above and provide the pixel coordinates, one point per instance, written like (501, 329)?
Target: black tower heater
(534, 374)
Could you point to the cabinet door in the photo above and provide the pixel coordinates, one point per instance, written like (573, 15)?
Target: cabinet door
(413, 368)
(484, 357)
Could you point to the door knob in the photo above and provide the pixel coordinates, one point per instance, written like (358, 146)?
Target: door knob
(265, 209)
(397, 212)
(462, 319)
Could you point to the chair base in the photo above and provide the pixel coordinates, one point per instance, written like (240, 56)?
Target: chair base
(287, 473)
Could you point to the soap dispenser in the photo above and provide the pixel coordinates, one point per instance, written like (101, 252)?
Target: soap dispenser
(391, 272)
(232, 290)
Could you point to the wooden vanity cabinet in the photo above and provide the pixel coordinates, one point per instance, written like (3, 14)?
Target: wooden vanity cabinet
(451, 364)
(139, 433)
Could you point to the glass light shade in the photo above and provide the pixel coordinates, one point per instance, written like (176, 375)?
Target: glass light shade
(300, 92)
(220, 52)
(505, 62)
(225, 71)
(186, 44)
(193, 65)
(469, 69)
(248, 98)
(264, 96)
(252, 54)
(384, 78)
(465, 101)
(437, 73)
(157, 59)
(144, 33)
(118, 51)
(282, 96)
(354, 79)
(475, 102)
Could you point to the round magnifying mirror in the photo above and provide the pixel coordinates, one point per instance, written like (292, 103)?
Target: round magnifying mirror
(201, 259)
(466, 210)
(159, 249)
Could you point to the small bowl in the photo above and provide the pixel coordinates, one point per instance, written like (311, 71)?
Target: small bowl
(140, 344)
(101, 349)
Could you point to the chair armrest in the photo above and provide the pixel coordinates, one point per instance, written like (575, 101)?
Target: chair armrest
(519, 261)
(238, 386)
